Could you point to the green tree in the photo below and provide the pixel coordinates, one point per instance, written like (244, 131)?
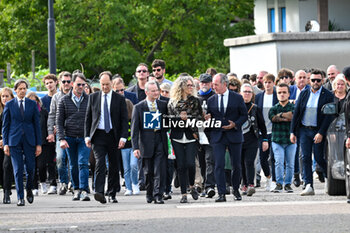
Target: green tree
(117, 35)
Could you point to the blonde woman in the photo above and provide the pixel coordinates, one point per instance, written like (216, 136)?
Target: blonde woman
(340, 88)
(184, 105)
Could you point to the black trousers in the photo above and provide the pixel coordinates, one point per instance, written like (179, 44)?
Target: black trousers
(45, 163)
(105, 144)
(248, 164)
(154, 169)
(6, 171)
(206, 162)
(186, 166)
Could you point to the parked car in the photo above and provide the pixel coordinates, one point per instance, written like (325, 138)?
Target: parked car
(337, 155)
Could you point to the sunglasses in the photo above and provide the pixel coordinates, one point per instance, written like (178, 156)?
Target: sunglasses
(81, 84)
(316, 80)
(66, 81)
(247, 92)
(158, 70)
(284, 77)
(190, 85)
(143, 71)
(121, 90)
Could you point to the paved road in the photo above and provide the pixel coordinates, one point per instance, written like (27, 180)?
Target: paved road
(263, 212)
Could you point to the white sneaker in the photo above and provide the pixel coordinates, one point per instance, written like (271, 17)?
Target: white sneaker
(52, 190)
(35, 192)
(273, 186)
(268, 184)
(325, 186)
(43, 188)
(135, 189)
(128, 192)
(308, 191)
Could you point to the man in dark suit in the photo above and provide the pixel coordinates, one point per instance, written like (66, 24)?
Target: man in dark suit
(106, 131)
(312, 127)
(229, 108)
(150, 144)
(22, 136)
(265, 101)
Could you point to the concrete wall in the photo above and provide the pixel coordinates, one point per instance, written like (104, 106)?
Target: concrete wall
(253, 58)
(260, 17)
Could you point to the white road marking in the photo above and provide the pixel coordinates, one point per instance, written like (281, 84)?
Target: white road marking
(43, 228)
(243, 204)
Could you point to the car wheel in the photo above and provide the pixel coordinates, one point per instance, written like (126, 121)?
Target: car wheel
(347, 172)
(335, 187)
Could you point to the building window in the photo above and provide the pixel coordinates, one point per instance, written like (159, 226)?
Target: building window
(272, 20)
(283, 27)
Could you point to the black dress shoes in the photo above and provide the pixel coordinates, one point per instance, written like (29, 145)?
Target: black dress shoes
(237, 195)
(112, 199)
(158, 200)
(30, 196)
(296, 180)
(7, 199)
(221, 198)
(100, 197)
(20, 202)
(149, 199)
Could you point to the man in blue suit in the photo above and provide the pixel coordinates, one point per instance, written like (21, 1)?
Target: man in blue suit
(229, 108)
(22, 137)
(312, 127)
(119, 87)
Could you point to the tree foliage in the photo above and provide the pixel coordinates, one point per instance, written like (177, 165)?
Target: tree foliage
(117, 35)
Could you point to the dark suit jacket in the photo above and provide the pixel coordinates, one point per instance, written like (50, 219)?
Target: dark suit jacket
(144, 139)
(131, 96)
(259, 99)
(323, 121)
(14, 125)
(118, 113)
(293, 91)
(236, 111)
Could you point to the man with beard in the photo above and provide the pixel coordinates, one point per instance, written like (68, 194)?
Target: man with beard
(141, 74)
(311, 126)
(158, 68)
(205, 151)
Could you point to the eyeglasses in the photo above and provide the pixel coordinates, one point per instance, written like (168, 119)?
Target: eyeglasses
(283, 77)
(247, 92)
(81, 84)
(316, 80)
(189, 85)
(143, 71)
(66, 81)
(121, 90)
(158, 70)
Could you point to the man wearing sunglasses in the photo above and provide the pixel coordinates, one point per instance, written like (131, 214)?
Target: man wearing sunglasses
(141, 74)
(285, 76)
(119, 87)
(158, 68)
(311, 127)
(70, 121)
(65, 80)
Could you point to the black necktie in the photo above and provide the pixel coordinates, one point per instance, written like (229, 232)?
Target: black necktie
(222, 110)
(21, 108)
(106, 115)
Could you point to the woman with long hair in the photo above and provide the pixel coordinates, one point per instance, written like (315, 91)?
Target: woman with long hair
(183, 106)
(6, 171)
(340, 87)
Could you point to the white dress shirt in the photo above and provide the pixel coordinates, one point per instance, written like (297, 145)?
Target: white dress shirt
(19, 103)
(101, 124)
(225, 96)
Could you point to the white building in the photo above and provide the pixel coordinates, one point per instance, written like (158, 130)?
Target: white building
(281, 40)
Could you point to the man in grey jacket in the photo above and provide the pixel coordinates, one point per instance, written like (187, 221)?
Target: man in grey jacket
(65, 79)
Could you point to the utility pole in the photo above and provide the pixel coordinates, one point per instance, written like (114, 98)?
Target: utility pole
(52, 40)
